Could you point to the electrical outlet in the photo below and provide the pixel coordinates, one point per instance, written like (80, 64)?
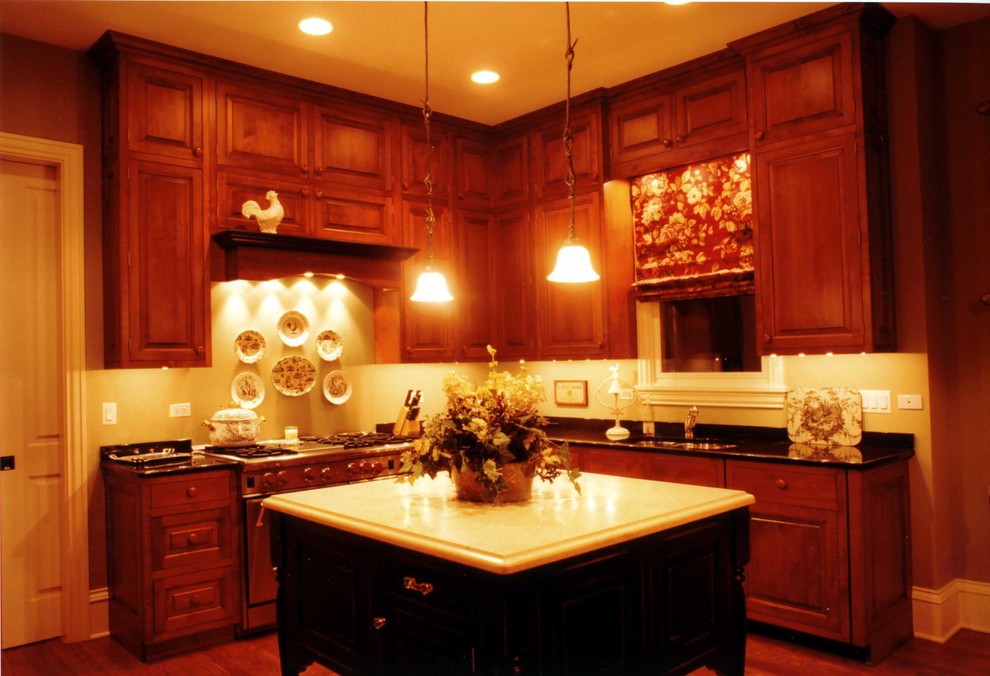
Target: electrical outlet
(179, 410)
(648, 427)
(876, 401)
(909, 401)
(109, 413)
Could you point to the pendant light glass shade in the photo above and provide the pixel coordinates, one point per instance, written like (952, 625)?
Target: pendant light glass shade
(573, 264)
(431, 287)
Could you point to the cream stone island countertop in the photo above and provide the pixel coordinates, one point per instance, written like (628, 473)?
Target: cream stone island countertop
(504, 539)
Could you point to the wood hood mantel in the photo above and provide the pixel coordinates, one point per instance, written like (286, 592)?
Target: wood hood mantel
(260, 256)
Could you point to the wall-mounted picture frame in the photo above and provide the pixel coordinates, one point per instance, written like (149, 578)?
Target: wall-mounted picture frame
(570, 392)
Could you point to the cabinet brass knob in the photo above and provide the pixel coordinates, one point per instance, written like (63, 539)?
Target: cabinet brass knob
(378, 622)
(667, 142)
(319, 171)
(304, 168)
(197, 152)
(192, 491)
(423, 588)
(781, 484)
(760, 135)
(681, 138)
(192, 538)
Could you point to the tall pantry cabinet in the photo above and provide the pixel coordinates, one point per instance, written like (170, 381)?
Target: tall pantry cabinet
(156, 283)
(817, 126)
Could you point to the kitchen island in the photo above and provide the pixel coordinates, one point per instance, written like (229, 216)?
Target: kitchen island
(631, 576)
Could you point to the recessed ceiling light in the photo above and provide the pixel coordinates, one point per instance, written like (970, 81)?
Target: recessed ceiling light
(484, 77)
(315, 26)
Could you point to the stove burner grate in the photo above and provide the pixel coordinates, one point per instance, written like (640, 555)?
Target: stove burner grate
(255, 451)
(360, 439)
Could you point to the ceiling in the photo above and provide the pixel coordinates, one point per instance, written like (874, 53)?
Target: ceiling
(377, 47)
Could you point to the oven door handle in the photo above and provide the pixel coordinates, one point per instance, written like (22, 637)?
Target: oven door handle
(260, 521)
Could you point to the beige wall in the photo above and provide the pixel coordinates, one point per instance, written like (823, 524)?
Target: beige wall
(53, 93)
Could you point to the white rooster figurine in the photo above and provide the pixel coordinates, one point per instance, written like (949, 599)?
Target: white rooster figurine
(268, 219)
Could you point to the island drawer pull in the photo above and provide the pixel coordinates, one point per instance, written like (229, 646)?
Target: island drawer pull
(378, 622)
(423, 588)
(781, 484)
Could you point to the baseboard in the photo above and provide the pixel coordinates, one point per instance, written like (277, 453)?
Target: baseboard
(99, 613)
(940, 613)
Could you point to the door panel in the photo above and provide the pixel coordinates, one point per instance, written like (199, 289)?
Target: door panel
(29, 415)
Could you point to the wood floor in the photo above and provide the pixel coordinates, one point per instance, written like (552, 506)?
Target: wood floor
(966, 654)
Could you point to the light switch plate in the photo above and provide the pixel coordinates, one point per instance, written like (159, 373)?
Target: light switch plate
(876, 401)
(109, 413)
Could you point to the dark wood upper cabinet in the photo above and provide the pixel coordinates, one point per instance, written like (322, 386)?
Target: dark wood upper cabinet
(820, 180)
(263, 129)
(682, 118)
(512, 170)
(473, 169)
(804, 86)
(428, 328)
(353, 146)
(165, 111)
(550, 162)
(571, 316)
(414, 161)
(515, 286)
(476, 259)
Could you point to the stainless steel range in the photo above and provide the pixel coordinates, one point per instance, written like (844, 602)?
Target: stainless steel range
(277, 467)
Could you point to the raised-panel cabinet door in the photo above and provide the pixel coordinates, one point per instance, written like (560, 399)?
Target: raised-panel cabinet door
(414, 161)
(476, 259)
(571, 316)
(168, 291)
(551, 160)
(640, 129)
(810, 255)
(353, 215)
(234, 189)
(512, 170)
(474, 172)
(804, 87)
(165, 112)
(353, 147)
(427, 327)
(711, 109)
(262, 129)
(514, 288)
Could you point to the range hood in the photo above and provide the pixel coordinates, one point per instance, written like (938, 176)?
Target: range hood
(260, 256)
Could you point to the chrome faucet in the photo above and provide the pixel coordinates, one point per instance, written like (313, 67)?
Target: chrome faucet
(690, 421)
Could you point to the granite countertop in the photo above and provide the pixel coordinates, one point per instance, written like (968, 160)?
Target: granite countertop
(504, 539)
(749, 443)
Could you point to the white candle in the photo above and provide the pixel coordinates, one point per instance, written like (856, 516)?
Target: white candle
(292, 433)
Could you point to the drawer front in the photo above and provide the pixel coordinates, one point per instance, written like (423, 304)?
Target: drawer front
(767, 482)
(432, 592)
(184, 602)
(191, 489)
(191, 538)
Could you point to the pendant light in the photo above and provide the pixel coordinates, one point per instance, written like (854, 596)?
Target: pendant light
(431, 287)
(573, 261)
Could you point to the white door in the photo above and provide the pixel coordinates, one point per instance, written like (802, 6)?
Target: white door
(30, 418)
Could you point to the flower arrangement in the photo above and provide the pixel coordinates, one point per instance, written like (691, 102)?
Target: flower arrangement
(484, 428)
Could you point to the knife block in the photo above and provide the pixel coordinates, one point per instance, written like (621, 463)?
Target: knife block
(405, 427)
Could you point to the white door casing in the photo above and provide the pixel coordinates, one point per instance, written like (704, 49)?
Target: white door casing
(59, 417)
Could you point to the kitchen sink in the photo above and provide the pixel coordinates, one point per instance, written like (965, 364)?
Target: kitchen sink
(698, 445)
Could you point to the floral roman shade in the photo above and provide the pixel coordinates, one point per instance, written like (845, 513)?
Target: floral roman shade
(693, 230)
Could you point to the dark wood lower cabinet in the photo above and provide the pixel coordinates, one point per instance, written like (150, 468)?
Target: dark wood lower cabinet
(665, 603)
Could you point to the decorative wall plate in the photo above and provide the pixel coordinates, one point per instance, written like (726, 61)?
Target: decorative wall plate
(825, 416)
(293, 328)
(249, 346)
(336, 387)
(329, 345)
(293, 376)
(248, 389)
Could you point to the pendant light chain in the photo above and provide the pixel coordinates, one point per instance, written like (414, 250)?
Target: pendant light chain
(427, 114)
(568, 133)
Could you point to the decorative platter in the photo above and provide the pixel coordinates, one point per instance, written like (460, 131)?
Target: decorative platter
(293, 328)
(249, 346)
(248, 389)
(293, 376)
(336, 387)
(825, 416)
(329, 345)
(845, 454)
